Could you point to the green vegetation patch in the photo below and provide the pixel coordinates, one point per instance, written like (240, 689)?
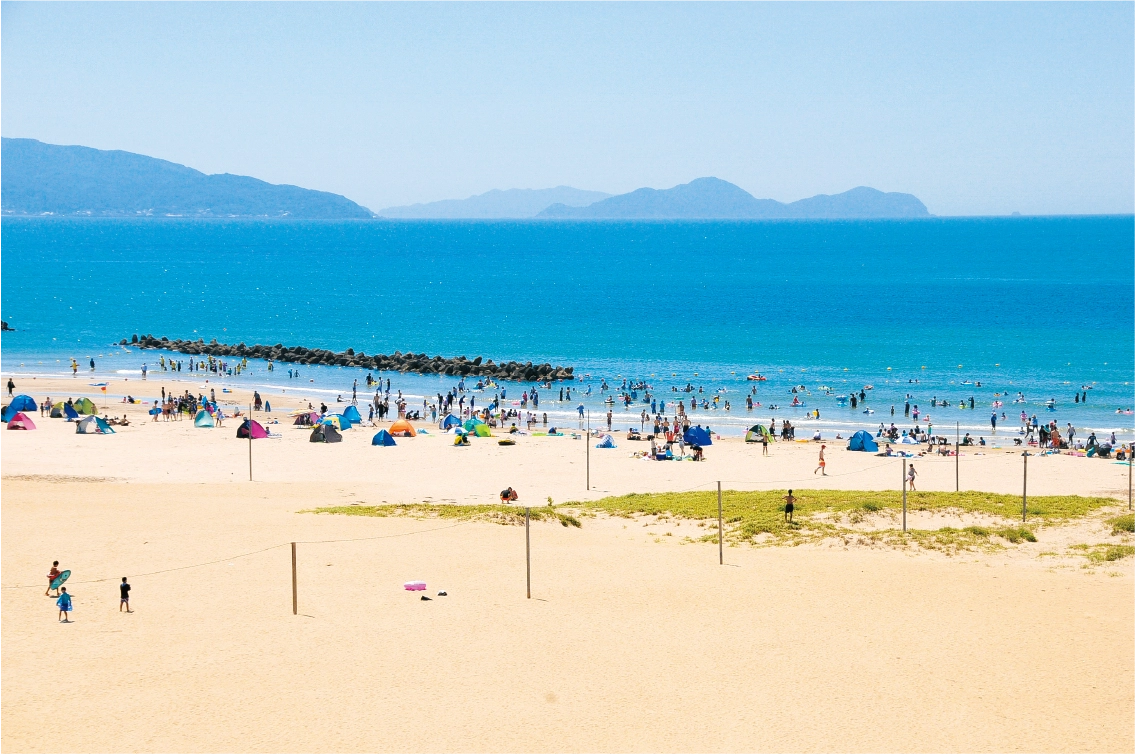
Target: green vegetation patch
(1123, 524)
(499, 514)
(1104, 553)
(749, 515)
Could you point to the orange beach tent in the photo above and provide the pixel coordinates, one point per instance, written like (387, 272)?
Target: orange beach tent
(403, 428)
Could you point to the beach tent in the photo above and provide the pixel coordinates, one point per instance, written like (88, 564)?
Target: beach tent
(63, 410)
(606, 442)
(383, 438)
(203, 419)
(449, 421)
(258, 431)
(306, 419)
(334, 420)
(697, 436)
(756, 433)
(403, 428)
(325, 433)
(481, 430)
(21, 421)
(470, 423)
(86, 406)
(907, 440)
(343, 422)
(862, 440)
(352, 414)
(93, 425)
(23, 403)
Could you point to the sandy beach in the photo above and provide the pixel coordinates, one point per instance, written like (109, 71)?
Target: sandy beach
(633, 640)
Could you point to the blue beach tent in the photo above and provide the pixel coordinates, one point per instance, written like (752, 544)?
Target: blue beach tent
(383, 438)
(352, 414)
(203, 419)
(697, 436)
(23, 403)
(449, 421)
(69, 412)
(607, 442)
(862, 440)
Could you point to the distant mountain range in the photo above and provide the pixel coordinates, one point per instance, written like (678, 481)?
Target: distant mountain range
(498, 204)
(715, 199)
(45, 179)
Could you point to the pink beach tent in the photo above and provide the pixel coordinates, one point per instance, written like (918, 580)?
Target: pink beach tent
(21, 421)
(415, 586)
(258, 431)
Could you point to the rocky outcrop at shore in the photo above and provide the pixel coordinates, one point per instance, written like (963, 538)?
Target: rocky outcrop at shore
(399, 362)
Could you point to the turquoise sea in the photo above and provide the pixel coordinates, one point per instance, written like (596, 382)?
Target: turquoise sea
(927, 307)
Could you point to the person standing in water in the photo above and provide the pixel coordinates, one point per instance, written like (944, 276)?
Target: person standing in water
(823, 464)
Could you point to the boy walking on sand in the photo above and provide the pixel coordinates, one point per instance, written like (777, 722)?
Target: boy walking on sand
(64, 603)
(910, 475)
(52, 575)
(823, 464)
(124, 596)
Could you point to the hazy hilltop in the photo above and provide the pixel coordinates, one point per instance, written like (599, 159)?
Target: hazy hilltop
(715, 199)
(497, 204)
(46, 179)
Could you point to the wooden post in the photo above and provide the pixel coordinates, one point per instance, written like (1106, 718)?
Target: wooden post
(957, 457)
(528, 550)
(904, 494)
(1130, 448)
(720, 530)
(587, 447)
(1025, 488)
(295, 593)
(250, 442)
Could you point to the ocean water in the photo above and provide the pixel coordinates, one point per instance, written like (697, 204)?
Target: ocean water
(927, 308)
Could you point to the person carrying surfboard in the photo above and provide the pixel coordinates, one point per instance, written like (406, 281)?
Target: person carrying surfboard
(52, 575)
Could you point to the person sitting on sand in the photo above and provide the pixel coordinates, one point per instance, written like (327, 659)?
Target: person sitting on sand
(509, 496)
(789, 506)
(699, 454)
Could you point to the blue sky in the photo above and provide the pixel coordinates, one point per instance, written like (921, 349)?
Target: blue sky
(977, 108)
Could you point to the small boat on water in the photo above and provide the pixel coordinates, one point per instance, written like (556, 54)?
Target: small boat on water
(756, 377)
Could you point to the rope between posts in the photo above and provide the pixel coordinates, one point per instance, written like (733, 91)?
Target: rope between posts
(247, 554)
(382, 536)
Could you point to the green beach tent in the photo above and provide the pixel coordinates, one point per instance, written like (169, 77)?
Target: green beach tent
(758, 432)
(86, 406)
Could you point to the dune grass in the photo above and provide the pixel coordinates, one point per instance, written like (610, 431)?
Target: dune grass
(758, 517)
(1123, 524)
(824, 514)
(500, 514)
(1104, 553)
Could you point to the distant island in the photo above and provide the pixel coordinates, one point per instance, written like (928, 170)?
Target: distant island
(715, 199)
(497, 204)
(46, 179)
